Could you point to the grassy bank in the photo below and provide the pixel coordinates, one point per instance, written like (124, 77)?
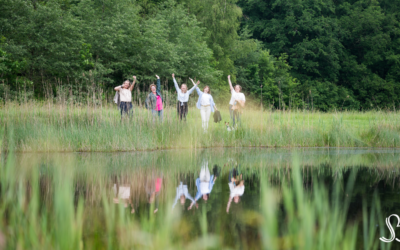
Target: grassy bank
(48, 127)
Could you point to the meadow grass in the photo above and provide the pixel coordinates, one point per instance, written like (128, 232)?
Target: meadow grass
(47, 127)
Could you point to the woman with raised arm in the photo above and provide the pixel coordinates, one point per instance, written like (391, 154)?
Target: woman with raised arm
(183, 98)
(125, 96)
(205, 104)
(236, 103)
(154, 100)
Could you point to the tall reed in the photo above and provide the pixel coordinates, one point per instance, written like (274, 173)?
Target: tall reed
(45, 127)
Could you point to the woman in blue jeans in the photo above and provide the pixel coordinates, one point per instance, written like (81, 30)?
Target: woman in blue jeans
(154, 100)
(125, 96)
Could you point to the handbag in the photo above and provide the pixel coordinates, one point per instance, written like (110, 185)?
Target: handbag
(116, 98)
(217, 116)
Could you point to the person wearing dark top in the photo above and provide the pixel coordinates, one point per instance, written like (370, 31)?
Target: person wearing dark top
(154, 100)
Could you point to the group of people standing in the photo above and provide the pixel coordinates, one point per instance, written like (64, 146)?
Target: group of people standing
(205, 102)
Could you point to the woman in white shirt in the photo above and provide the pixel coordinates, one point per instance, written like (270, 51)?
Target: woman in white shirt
(236, 103)
(205, 104)
(183, 98)
(125, 96)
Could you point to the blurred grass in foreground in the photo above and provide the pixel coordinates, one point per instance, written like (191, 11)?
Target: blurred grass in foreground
(289, 217)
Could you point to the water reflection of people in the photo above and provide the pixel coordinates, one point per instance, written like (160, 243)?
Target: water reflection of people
(153, 187)
(205, 182)
(123, 193)
(182, 193)
(236, 187)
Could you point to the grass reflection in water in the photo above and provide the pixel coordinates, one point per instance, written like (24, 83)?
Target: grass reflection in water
(303, 199)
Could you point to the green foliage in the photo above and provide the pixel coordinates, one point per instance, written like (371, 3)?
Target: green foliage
(173, 41)
(86, 56)
(336, 48)
(324, 55)
(270, 77)
(110, 39)
(221, 20)
(9, 67)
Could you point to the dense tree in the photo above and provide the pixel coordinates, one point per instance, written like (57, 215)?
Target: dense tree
(344, 53)
(103, 41)
(298, 53)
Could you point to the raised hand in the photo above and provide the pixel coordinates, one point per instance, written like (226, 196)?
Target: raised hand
(192, 81)
(230, 83)
(173, 75)
(157, 77)
(197, 82)
(133, 84)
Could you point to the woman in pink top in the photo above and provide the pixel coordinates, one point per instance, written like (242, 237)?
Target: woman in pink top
(154, 100)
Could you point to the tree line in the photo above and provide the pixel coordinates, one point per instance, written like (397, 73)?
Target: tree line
(310, 54)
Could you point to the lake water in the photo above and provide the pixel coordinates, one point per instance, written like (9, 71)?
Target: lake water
(151, 184)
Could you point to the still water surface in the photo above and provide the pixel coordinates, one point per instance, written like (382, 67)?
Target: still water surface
(221, 185)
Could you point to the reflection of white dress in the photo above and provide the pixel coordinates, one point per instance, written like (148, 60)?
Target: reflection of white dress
(235, 191)
(205, 179)
(123, 192)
